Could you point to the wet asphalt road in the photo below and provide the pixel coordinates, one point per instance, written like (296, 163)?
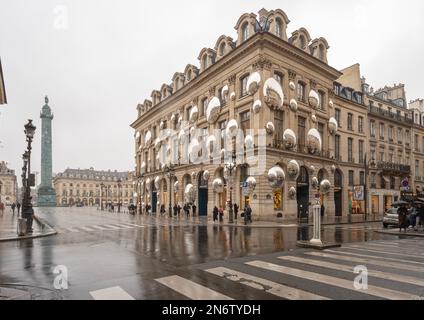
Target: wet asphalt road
(103, 250)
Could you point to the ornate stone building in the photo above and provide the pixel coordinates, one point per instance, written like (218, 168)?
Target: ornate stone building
(90, 187)
(317, 123)
(8, 184)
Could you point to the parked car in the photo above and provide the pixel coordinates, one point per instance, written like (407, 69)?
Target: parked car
(391, 217)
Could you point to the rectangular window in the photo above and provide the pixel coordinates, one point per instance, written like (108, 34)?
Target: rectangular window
(372, 129)
(382, 156)
(279, 125)
(301, 132)
(337, 147)
(350, 149)
(373, 155)
(382, 129)
(222, 127)
(350, 121)
(245, 121)
(279, 77)
(321, 100)
(337, 116)
(400, 135)
(321, 133)
(422, 145)
(204, 106)
(243, 86)
(416, 146)
(362, 178)
(391, 133)
(188, 110)
(301, 92)
(373, 180)
(351, 177)
(417, 168)
(360, 124)
(361, 151)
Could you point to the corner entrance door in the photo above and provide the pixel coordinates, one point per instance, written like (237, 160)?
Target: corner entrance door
(203, 196)
(338, 202)
(154, 201)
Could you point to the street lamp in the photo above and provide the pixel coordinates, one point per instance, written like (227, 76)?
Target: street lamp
(230, 168)
(102, 185)
(119, 194)
(170, 173)
(27, 211)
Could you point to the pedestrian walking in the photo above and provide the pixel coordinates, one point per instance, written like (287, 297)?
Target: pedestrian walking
(322, 210)
(221, 214)
(420, 217)
(247, 214)
(1, 208)
(236, 210)
(18, 206)
(162, 210)
(215, 213)
(187, 210)
(194, 208)
(403, 214)
(179, 210)
(13, 208)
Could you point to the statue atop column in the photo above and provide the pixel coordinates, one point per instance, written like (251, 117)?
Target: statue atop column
(46, 193)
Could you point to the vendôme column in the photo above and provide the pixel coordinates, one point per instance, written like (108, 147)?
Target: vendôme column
(46, 193)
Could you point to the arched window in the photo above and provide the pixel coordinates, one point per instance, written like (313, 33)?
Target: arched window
(245, 31)
(302, 42)
(189, 75)
(278, 28)
(205, 62)
(222, 49)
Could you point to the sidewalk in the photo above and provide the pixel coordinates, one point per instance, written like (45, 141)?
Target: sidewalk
(395, 232)
(8, 228)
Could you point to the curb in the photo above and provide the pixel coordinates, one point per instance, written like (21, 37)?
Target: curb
(400, 234)
(43, 235)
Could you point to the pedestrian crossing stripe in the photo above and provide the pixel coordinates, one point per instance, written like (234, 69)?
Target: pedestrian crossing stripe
(358, 248)
(351, 258)
(350, 269)
(191, 289)
(114, 293)
(332, 281)
(268, 286)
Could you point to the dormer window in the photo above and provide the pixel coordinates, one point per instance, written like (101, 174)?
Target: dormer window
(205, 62)
(222, 49)
(279, 28)
(321, 52)
(189, 75)
(302, 42)
(245, 31)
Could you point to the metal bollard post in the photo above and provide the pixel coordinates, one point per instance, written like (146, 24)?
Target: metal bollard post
(317, 225)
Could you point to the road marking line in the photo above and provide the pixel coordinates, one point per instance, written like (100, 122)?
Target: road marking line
(122, 226)
(99, 228)
(340, 267)
(112, 227)
(73, 230)
(333, 281)
(359, 248)
(191, 289)
(86, 229)
(349, 257)
(133, 225)
(114, 293)
(271, 287)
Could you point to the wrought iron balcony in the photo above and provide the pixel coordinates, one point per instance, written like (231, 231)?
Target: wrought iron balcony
(391, 115)
(393, 168)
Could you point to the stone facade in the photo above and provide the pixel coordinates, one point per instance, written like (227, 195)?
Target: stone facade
(265, 79)
(75, 186)
(8, 184)
(3, 99)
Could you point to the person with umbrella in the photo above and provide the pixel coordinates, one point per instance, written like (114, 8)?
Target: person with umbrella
(403, 214)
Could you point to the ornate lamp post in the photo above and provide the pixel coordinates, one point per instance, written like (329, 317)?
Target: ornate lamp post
(230, 168)
(170, 173)
(27, 211)
(139, 192)
(102, 185)
(119, 194)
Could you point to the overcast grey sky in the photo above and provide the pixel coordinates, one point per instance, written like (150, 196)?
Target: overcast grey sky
(112, 54)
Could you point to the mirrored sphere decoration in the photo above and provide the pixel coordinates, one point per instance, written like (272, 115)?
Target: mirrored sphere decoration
(189, 193)
(194, 114)
(210, 144)
(232, 128)
(314, 141)
(148, 138)
(273, 94)
(161, 125)
(182, 136)
(289, 139)
(193, 176)
(251, 184)
(176, 186)
(293, 105)
(257, 105)
(218, 185)
(224, 92)
(213, 109)
(331, 104)
(270, 128)
(325, 187)
(312, 170)
(276, 177)
(233, 96)
(333, 125)
(253, 83)
(293, 169)
(157, 182)
(292, 193)
(315, 182)
(292, 86)
(314, 118)
(157, 143)
(313, 99)
(248, 141)
(143, 167)
(206, 175)
(333, 168)
(173, 118)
